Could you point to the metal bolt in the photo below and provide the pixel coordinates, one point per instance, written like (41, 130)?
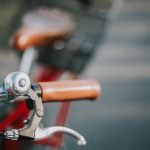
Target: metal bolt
(22, 83)
(12, 134)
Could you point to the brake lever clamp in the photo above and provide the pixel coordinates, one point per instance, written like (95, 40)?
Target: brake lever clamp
(18, 85)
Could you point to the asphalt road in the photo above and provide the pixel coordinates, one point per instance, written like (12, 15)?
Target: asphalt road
(120, 120)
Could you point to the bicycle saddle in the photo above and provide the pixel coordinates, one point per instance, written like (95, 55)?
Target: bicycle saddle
(43, 27)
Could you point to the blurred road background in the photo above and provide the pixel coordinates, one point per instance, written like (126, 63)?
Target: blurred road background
(121, 119)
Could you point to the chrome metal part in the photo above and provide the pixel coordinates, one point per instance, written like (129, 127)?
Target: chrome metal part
(22, 83)
(46, 132)
(17, 83)
(29, 54)
(35, 117)
(12, 134)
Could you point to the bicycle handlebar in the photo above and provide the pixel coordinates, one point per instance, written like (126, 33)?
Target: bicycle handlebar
(17, 85)
(69, 90)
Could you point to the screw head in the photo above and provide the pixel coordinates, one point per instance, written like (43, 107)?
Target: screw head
(22, 83)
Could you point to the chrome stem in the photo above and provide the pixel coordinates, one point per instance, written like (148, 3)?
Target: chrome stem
(27, 60)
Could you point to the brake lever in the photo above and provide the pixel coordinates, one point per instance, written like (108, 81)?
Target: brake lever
(46, 132)
(17, 85)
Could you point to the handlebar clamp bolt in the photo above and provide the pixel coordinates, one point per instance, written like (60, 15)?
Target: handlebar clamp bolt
(22, 83)
(17, 83)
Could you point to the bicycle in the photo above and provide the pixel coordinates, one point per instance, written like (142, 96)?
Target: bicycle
(52, 74)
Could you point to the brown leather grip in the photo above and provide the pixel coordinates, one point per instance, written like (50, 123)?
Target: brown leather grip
(69, 90)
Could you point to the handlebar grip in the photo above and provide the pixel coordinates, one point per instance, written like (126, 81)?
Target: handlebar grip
(69, 90)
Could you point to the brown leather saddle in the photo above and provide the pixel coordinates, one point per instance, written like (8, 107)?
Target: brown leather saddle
(42, 27)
